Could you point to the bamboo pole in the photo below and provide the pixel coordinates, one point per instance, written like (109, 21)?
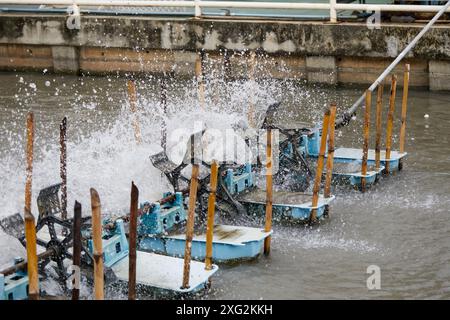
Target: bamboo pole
(251, 76)
(269, 190)
(320, 161)
(378, 126)
(76, 255)
(390, 123)
(63, 166)
(366, 129)
(133, 100)
(30, 227)
(200, 80)
(404, 109)
(132, 242)
(330, 158)
(190, 224)
(29, 168)
(98, 246)
(211, 212)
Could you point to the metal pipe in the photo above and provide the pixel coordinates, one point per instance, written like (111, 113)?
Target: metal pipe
(345, 118)
(333, 13)
(24, 265)
(198, 5)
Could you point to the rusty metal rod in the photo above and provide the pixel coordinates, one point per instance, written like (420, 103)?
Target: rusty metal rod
(76, 255)
(133, 100)
(190, 224)
(330, 157)
(320, 161)
(63, 166)
(378, 126)
(390, 123)
(404, 107)
(24, 265)
(211, 212)
(30, 226)
(164, 109)
(366, 128)
(269, 190)
(98, 246)
(132, 242)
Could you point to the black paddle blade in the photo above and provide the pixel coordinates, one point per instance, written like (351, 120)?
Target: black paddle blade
(13, 225)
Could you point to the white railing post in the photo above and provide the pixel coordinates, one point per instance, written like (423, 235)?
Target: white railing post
(198, 10)
(333, 14)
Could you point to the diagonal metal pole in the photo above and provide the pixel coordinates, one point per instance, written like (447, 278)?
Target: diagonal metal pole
(345, 118)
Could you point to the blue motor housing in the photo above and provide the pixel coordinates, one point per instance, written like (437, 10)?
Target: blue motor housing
(312, 143)
(14, 286)
(239, 180)
(115, 244)
(158, 219)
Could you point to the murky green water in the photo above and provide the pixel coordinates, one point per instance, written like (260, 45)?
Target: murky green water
(401, 225)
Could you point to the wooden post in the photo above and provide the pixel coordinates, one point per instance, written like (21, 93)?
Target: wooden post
(330, 158)
(98, 245)
(133, 100)
(132, 242)
(269, 190)
(190, 224)
(404, 109)
(63, 166)
(30, 228)
(320, 161)
(211, 212)
(251, 76)
(366, 139)
(200, 83)
(76, 255)
(390, 123)
(164, 108)
(378, 126)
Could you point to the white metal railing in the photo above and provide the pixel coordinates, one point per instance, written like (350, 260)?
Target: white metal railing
(332, 6)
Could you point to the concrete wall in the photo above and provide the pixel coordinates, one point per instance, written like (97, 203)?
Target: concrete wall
(315, 51)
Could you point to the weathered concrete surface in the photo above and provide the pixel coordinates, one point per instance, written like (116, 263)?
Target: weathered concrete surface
(317, 51)
(439, 75)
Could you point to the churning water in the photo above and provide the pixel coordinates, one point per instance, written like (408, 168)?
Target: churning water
(401, 225)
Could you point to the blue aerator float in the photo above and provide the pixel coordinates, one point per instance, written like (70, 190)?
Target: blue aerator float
(14, 286)
(154, 271)
(158, 233)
